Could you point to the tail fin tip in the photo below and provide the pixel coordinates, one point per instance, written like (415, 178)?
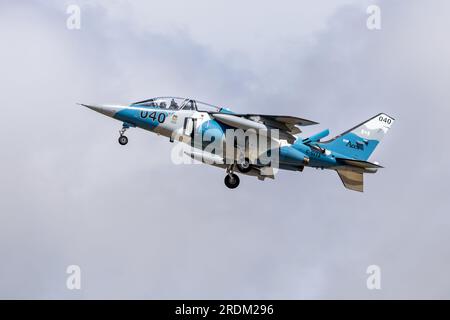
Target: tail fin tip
(360, 141)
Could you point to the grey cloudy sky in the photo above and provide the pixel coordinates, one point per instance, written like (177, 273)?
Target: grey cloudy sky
(142, 227)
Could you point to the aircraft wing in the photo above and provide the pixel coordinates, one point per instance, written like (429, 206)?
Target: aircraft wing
(287, 120)
(287, 125)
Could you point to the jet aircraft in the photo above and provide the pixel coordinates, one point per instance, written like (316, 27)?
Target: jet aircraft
(184, 119)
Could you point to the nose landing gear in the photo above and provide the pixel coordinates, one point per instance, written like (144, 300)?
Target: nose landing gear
(123, 140)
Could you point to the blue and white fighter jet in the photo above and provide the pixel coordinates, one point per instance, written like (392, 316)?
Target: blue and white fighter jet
(184, 119)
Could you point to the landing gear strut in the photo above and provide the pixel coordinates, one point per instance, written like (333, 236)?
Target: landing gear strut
(231, 179)
(123, 140)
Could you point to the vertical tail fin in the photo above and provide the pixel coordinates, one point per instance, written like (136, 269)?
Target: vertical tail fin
(359, 142)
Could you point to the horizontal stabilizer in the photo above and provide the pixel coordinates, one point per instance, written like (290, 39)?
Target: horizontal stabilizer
(359, 163)
(351, 180)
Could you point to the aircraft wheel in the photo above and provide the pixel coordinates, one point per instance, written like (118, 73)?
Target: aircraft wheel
(245, 166)
(123, 140)
(231, 180)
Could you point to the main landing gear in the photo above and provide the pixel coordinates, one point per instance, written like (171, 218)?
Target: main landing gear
(244, 166)
(123, 140)
(231, 179)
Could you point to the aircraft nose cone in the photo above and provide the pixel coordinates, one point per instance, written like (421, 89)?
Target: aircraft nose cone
(107, 110)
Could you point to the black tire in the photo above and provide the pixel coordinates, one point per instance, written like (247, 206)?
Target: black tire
(123, 140)
(245, 166)
(231, 181)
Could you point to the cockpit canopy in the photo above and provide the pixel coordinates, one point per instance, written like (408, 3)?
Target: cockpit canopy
(176, 103)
